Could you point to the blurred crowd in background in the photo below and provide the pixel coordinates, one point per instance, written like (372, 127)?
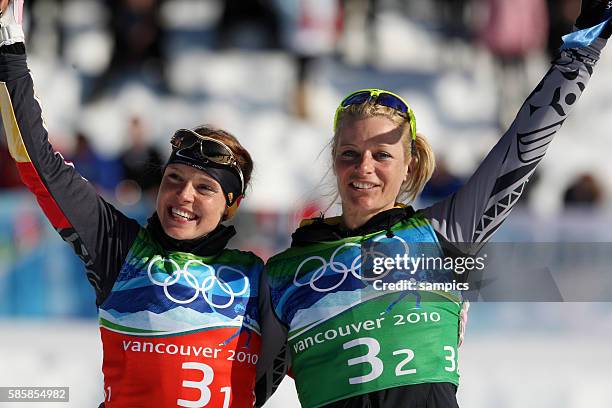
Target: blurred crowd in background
(305, 30)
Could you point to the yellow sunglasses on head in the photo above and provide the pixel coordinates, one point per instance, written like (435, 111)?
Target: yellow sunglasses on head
(379, 97)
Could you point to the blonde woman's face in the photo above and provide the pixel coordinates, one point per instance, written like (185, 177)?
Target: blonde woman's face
(370, 166)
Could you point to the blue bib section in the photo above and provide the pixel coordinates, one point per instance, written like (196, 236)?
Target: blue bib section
(177, 292)
(337, 275)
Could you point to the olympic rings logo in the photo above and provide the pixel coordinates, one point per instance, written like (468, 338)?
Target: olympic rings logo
(340, 268)
(213, 281)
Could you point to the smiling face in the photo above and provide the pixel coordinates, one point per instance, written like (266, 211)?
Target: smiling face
(190, 203)
(370, 166)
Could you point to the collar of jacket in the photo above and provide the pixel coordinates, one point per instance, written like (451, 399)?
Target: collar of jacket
(207, 245)
(321, 229)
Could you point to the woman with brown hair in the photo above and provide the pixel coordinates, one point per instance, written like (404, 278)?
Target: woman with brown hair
(182, 317)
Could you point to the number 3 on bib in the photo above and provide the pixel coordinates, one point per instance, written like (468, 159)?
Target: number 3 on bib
(208, 375)
(370, 358)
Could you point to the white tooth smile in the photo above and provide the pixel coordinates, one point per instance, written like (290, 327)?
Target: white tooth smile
(184, 214)
(362, 185)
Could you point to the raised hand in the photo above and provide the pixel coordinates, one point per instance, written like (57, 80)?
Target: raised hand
(594, 12)
(11, 16)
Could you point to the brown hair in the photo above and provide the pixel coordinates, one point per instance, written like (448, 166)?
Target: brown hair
(242, 155)
(423, 161)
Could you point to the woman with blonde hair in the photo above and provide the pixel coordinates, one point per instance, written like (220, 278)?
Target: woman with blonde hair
(371, 321)
(184, 320)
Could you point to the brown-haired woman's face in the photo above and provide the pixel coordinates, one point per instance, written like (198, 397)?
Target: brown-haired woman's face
(190, 203)
(370, 166)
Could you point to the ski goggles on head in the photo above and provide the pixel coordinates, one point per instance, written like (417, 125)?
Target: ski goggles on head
(210, 155)
(378, 97)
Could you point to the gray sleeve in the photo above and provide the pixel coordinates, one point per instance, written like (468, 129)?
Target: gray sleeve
(477, 210)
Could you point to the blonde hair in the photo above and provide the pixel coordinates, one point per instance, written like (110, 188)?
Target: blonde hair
(423, 162)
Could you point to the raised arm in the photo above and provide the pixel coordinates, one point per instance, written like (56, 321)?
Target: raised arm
(99, 234)
(478, 209)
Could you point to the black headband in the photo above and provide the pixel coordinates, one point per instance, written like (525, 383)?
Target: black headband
(228, 179)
